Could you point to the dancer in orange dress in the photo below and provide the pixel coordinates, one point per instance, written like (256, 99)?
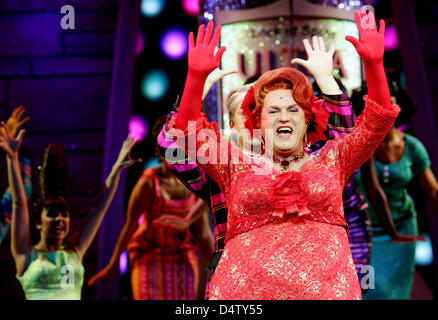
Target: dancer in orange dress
(164, 261)
(287, 236)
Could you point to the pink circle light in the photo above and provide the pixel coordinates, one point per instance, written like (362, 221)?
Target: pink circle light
(140, 220)
(391, 38)
(138, 127)
(141, 40)
(123, 263)
(191, 7)
(174, 43)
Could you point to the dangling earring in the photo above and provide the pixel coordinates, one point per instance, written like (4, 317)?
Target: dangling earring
(306, 140)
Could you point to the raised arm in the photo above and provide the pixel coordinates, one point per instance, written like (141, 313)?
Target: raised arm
(371, 48)
(216, 75)
(202, 61)
(379, 115)
(94, 219)
(20, 238)
(6, 199)
(185, 169)
(139, 203)
(212, 154)
(14, 124)
(320, 66)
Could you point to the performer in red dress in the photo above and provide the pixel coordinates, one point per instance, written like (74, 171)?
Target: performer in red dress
(287, 236)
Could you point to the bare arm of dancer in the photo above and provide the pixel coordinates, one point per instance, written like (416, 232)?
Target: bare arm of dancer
(205, 237)
(380, 205)
(430, 187)
(181, 223)
(139, 203)
(94, 219)
(20, 238)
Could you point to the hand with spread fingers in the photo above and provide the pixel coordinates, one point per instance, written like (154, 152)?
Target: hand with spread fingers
(15, 121)
(7, 142)
(203, 59)
(202, 56)
(371, 48)
(371, 45)
(124, 160)
(319, 61)
(320, 64)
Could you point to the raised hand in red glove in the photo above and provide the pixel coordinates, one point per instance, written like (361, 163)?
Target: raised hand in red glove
(372, 42)
(371, 48)
(202, 61)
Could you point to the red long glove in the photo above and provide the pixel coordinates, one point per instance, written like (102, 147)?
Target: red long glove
(371, 48)
(202, 61)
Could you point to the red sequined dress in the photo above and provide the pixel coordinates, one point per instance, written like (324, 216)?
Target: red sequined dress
(287, 237)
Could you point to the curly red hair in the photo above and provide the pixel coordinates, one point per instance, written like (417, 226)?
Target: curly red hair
(287, 78)
(283, 78)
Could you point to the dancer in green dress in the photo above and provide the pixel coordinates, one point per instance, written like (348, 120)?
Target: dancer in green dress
(52, 269)
(397, 161)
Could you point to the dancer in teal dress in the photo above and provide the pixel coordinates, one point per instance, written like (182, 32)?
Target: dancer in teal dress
(397, 161)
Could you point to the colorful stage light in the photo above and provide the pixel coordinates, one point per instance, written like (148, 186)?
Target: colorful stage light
(208, 15)
(141, 41)
(153, 162)
(154, 84)
(138, 127)
(152, 8)
(123, 263)
(173, 42)
(140, 220)
(391, 38)
(424, 252)
(191, 7)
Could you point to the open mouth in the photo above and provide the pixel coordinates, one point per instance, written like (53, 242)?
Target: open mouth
(59, 228)
(284, 132)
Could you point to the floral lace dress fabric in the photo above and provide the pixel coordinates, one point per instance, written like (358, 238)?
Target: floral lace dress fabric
(286, 235)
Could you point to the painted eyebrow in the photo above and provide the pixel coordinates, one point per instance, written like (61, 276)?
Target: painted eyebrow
(278, 107)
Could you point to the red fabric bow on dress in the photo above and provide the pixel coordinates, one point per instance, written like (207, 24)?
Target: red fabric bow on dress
(289, 195)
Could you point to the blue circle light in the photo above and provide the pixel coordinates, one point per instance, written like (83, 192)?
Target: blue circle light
(424, 252)
(152, 8)
(154, 84)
